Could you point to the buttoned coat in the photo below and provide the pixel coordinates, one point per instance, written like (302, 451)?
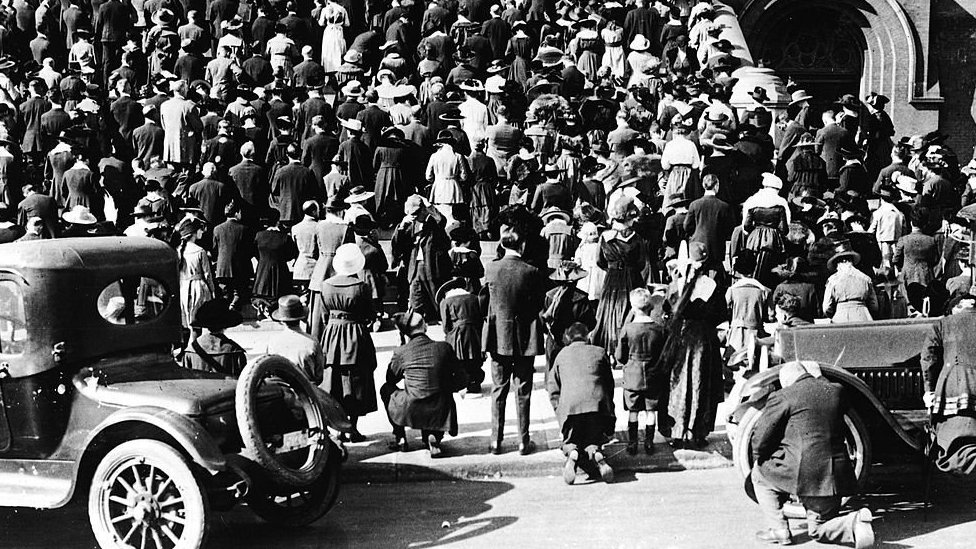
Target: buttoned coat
(917, 254)
(234, 249)
(291, 186)
(182, 125)
(427, 369)
(30, 114)
(799, 440)
(515, 296)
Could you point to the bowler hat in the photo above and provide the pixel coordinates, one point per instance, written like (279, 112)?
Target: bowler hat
(290, 309)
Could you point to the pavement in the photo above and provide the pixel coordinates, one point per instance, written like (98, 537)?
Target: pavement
(466, 456)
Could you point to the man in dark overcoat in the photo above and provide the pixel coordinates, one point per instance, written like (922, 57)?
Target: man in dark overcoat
(111, 27)
(427, 369)
(30, 116)
(799, 447)
(291, 186)
(513, 333)
(234, 247)
(252, 184)
(710, 220)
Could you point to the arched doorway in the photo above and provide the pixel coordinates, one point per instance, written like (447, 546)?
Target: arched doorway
(822, 50)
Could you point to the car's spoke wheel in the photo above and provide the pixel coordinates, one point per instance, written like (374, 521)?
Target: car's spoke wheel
(144, 495)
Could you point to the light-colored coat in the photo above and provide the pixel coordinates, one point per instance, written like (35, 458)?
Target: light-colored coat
(182, 125)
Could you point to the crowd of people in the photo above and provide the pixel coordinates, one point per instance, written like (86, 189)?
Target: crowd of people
(275, 144)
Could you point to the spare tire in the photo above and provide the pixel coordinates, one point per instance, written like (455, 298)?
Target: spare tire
(289, 440)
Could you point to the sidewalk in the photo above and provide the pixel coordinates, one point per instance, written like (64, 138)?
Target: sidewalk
(466, 456)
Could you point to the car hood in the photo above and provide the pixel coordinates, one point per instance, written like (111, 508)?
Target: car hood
(157, 382)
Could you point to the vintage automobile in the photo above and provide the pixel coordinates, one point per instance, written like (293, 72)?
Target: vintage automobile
(877, 362)
(93, 402)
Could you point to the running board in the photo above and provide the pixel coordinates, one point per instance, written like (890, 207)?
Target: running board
(42, 484)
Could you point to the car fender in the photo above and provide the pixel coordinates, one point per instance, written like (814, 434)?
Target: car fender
(752, 393)
(191, 437)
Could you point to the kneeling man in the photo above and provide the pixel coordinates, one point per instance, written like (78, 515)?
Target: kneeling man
(799, 449)
(429, 371)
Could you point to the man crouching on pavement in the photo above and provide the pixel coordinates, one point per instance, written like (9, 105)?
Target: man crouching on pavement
(581, 390)
(799, 449)
(429, 371)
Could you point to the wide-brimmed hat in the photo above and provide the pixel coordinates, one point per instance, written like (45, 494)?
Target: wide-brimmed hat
(472, 85)
(806, 140)
(216, 314)
(352, 125)
(798, 96)
(79, 215)
(969, 169)
(772, 181)
(555, 212)
(640, 43)
(7, 63)
(720, 142)
(876, 100)
(163, 16)
(807, 203)
(445, 137)
(348, 260)
(906, 184)
(408, 322)
(359, 194)
(462, 232)
(353, 56)
(234, 24)
(723, 45)
(850, 151)
(793, 267)
(849, 101)
(759, 94)
(568, 271)
(352, 88)
(290, 309)
(143, 211)
(451, 115)
(843, 251)
(495, 84)
(496, 67)
(549, 56)
(713, 115)
(888, 191)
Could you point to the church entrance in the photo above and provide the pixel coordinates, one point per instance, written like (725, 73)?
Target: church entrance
(820, 49)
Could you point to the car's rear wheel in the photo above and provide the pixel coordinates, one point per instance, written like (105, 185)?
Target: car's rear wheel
(144, 494)
(301, 507)
(856, 437)
(291, 450)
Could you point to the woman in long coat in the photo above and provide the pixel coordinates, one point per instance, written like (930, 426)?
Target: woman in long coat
(196, 272)
(82, 189)
(350, 357)
(330, 233)
(520, 52)
(392, 163)
(272, 277)
(623, 255)
(693, 353)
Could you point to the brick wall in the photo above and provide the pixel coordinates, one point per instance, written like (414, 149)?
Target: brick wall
(953, 41)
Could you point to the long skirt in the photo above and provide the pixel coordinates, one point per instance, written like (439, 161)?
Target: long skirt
(589, 64)
(193, 294)
(696, 381)
(333, 48)
(482, 206)
(614, 58)
(614, 305)
(683, 181)
(350, 359)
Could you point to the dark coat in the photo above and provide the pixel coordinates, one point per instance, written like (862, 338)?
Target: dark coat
(425, 234)
(252, 184)
(234, 250)
(374, 119)
(830, 138)
(147, 140)
(639, 349)
(360, 158)
(581, 382)
(39, 205)
(427, 369)
(515, 296)
(114, 21)
(292, 185)
(212, 197)
(317, 151)
(710, 221)
(799, 440)
(551, 194)
(30, 114)
(127, 113)
(916, 254)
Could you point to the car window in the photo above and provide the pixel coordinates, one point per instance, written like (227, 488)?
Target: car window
(13, 321)
(132, 300)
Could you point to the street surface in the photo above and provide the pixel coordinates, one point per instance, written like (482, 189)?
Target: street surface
(668, 510)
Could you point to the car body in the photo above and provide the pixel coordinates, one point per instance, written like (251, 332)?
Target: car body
(87, 332)
(879, 365)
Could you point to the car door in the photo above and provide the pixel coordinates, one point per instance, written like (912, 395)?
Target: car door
(13, 343)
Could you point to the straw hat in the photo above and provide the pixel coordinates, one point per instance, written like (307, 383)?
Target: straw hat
(555, 212)
(798, 96)
(359, 194)
(79, 215)
(772, 181)
(640, 43)
(348, 260)
(290, 309)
